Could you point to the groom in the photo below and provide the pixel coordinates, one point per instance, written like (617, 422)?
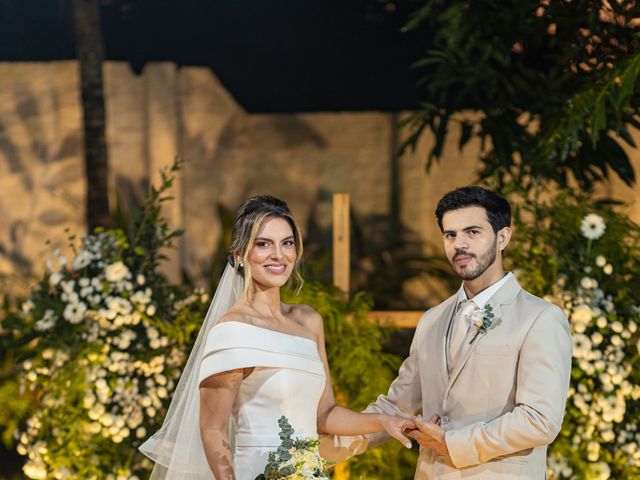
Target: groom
(489, 366)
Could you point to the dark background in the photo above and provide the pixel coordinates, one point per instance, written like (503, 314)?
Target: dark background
(273, 56)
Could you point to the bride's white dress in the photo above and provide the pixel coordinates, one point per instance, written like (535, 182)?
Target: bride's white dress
(288, 379)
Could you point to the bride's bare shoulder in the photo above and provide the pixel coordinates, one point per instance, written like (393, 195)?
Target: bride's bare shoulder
(236, 314)
(307, 316)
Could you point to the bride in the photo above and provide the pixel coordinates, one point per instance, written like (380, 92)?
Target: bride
(255, 359)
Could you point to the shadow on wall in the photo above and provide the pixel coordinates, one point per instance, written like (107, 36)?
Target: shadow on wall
(37, 183)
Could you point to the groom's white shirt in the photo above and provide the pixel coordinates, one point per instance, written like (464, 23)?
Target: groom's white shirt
(503, 402)
(482, 298)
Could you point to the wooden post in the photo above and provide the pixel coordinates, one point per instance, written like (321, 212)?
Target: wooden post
(341, 252)
(341, 271)
(395, 318)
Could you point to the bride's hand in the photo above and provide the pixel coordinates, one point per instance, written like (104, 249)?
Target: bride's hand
(397, 426)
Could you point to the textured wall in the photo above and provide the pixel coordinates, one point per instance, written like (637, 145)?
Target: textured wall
(229, 156)
(41, 177)
(151, 118)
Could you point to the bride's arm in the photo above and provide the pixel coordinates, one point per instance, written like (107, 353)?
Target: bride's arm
(336, 420)
(217, 394)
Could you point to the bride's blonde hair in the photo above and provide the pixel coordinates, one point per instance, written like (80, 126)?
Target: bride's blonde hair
(250, 217)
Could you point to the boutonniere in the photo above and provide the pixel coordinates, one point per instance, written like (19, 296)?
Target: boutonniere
(482, 321)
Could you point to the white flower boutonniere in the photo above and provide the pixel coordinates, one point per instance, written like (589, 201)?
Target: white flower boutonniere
(482, 321)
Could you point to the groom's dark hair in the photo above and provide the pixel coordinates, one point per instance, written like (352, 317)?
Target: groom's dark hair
(498, 209)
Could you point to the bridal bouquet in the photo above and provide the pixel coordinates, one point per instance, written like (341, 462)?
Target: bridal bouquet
(294, 459)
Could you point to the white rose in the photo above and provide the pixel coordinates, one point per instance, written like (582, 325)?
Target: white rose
(152, 333)
(140, 298)
(593, 451)
(46, 322)
(116, 272)
(586, 367)
(35, 471)
(601, 471)
(588, 283)
(68, 286)
(54, 279)
(27, 306)
(81, 260)
(582, 313)
(86, 291)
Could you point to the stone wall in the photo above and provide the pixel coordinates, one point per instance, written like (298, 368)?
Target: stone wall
(229, 155)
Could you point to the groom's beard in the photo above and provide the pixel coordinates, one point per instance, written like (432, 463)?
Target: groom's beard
(483, 262)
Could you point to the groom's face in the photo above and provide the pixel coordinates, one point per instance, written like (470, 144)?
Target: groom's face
(470, 243)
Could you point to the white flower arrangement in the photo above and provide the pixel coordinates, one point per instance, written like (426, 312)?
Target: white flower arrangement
(592, 269)
(602, 390)
(104, 339)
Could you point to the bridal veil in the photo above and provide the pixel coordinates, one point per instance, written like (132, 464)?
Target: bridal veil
(177, 447)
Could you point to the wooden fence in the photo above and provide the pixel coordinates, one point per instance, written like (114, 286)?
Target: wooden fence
(342, 262)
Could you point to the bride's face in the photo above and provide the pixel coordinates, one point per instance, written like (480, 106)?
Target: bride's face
(273, 254)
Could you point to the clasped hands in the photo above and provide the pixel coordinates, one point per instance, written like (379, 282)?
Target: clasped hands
(428, 434)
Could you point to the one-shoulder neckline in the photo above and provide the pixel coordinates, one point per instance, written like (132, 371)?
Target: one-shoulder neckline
(302, 337)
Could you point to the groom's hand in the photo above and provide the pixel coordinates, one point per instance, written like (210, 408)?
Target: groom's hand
(430, 434)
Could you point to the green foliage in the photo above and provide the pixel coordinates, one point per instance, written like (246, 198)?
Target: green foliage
(551, 243)
(555, 85)
(360, 370)
(588, 255)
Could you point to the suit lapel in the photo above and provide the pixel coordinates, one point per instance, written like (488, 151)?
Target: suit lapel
(504, 296)
(440, 336)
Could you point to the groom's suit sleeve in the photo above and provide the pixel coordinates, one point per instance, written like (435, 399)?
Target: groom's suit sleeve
(542, 383)
(404, 399)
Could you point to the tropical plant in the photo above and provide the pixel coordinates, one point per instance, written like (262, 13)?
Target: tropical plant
(553, 86)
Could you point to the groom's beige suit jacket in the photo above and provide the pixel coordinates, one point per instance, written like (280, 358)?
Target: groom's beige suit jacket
(504, 400)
